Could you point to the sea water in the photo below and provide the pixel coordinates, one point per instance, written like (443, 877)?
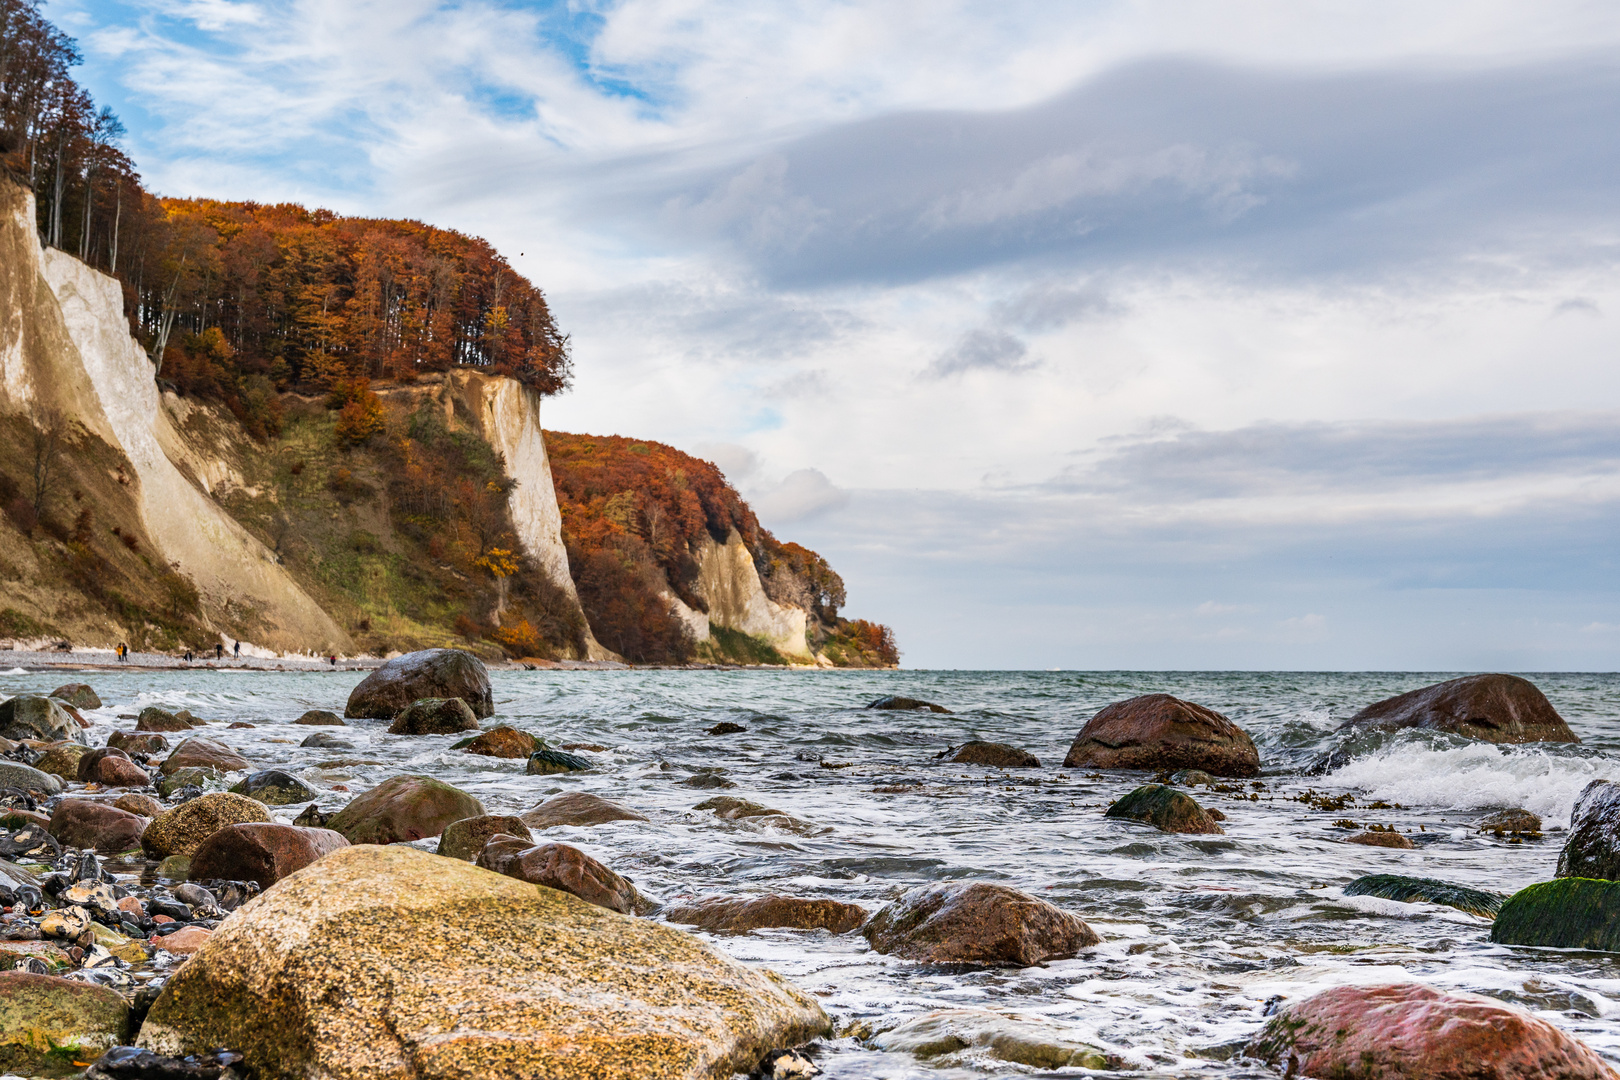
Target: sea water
(1202, 935)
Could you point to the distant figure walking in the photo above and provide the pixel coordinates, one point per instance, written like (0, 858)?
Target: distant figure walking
(188, 656)
(123, 653)
(332, 660)
(238, 650)
(219, 650)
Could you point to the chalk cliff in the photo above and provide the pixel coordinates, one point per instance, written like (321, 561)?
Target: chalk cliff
(728, 582)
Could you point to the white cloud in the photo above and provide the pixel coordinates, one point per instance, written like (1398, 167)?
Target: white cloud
(801, 494)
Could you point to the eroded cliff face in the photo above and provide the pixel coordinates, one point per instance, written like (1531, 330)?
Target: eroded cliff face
(730, 585)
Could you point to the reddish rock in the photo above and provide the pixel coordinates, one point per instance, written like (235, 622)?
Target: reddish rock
(404, 808)
(321, 718)
(183, 942)
(238, 725)
(1380, 838)
(138, 742)
(994, 754)
(559, 866)
(502, 742)
(973, 922)
(577, 808)
(199, 753)
(132, 905)
(1491, 708)
(121, 772)
(264, 852)
(1408, 1031)
(464, 839)
(729, 916)
(89, 761)
(142, 805)
(88, 825)
(1157, 731)
(182, 830)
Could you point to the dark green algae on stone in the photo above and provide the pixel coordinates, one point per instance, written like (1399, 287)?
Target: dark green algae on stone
(1410, 890)
(1164, 808)
(1567, 913)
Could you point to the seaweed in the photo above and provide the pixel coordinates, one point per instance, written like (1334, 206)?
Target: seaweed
(1566, 913)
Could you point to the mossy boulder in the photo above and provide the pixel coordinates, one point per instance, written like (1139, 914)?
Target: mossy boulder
(393, 962)
(77, 694)
(545, 761)
(1164, 808)
(1567, 913)
(138, 742)
(62, 759)
(1158, 731)
(431, 673)
(153, 718)
(274, 787)
(32, 716)
(1410, 890)
(14, 774)
(404, 808)
(434, 716)
(321, 718)
(182, 830)
(464, 839)
(46, 1023)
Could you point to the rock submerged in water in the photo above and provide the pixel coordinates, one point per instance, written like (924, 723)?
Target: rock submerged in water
(1039, 1044)
(41, 1013)
(431, 673)
(153, 718)
(728, 915)
(731, 808)
(321, 718)
(1491, 708)
(1160, 732)
(1385, 838)
(200, 753)
(501, 742)
(994, 754)
(1164, 808)
(962, 922)
(96, 826)
(577, 808)
(322, 740)
(264, 852)
(1516, 822)
(275, 788)
(404, 808)
(545, 761)
(1410, 1031)
(32, 716)
(564, 867)
(1593, 847)
(182, 830)
(393, 962)
(1410, 890)
(726, 727)
(1566, 913)
(464, 839)
(434, 716)
(906, 704)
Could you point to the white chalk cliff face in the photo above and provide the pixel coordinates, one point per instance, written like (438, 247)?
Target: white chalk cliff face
(730, 585)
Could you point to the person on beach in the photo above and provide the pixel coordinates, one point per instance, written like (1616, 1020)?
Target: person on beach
(332, 660)
(219, 650)
(188, 656)
(238, 650)
(123, 653)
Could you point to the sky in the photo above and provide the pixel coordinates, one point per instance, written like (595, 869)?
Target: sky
(1107, 335)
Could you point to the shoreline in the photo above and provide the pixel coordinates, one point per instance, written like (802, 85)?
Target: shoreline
(38, 660)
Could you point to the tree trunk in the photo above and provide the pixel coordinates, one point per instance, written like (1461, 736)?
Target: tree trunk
(118, 212)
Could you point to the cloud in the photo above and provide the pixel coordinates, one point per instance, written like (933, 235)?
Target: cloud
(802, 494)
(981, 350)
(738, 463)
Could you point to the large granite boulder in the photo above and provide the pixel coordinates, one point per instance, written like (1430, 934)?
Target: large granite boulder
(1410, 890)
(464, 839)
(273, 787)
(200, 753)
(404, 808)
(1565, 913)
(138, 742)
(382, 962)
(728, 915)
(1157, 731)
(264, 852)
(974, 922)
(182, 830)
(1492, 708)
(561, 866)
(434, 716)
(77, 694)
(1164, 808)
(40, 1013)
(95, 826)
(153, 718)
(14, 774)
(577, 808)
(1413, 1032)
(33, 716)
(994, 754)
(431, 673)
(1593, 847)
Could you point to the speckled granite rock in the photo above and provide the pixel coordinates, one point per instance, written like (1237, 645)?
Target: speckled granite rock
(182, 830)
(138, 742)
(564, 867)
(39, 1011)
(62, 759)
(27, 778)
(379, 962)
(464, 839)
(77, 694)
(199, 753)
(974, 922)
(434, 716)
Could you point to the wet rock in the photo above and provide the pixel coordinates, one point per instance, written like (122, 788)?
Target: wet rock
(31, 841)
(153, 718)
(32, 716)
(432, 673)
(464, 839)
(62, 759)
(560, 866)
(1160, 732)
(141, 805)
(785, 1064)
(434, 716)
(1387, 838)
(1410, 1031)
(133, 1063)
(1192, 778)
(275, 788)
(237, 725)
(322, 741)
(1164, 808)
(1566, 913)
(182, 830)
(1409, 890)
(1593, 847)
(731, 808)
(577, 808)
(738, 916)
(938, 1037)
(200, 753)
(90, 759)
(312, 817)
(121, 772)
(994, 754)
(351, 967)
(185, 941)
(404, 808)
(138, 742)
(174, 867)
(546, 761)
(96, 826)
(726, 727)
(906, 703)
(173, 784)
(39, 1012)
(261, 852)
(1492, 708)
(706, 780)
(14, 774)
(321, 718)
(65, 924)
(1517, 822)
(77, 694)
(976, 923)
(501, 742)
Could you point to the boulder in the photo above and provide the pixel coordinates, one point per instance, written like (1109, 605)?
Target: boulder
(404, 808)
(1492, 708)
(143, 805)
(31, 716)
(182, 830)
(39, 1013)
(183, 942)
(1593, 847)
(275, 788)
(1157, 731)
(733, 916)
(324, 740)
(1411, 1031)
(264, 852)
(1381, 838)
(393, 962)
(1409, 890)
(501, 742)
(62, 759)
(434, 716)
(464, 839)
(153, 718)
(138, 742)
(431, 673)
(90, 759)
(545, 761)
(95, 826)
(577, 808)
(939, 1037)
(974, 922)
(200, 753)
(725, 727)
(1164, 808)
(1516, 821)
(1566, 913)
(170, 785)
(321, 718)
(121, 772)
(905, 704)
(994, 754)
(14, 774)
(1193, 778)
(560, 866)
(731, 808)
(77, 694)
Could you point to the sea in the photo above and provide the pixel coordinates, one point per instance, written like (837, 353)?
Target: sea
(1203, 936)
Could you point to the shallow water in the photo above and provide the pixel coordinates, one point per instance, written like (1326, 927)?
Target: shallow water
(1200, 933)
